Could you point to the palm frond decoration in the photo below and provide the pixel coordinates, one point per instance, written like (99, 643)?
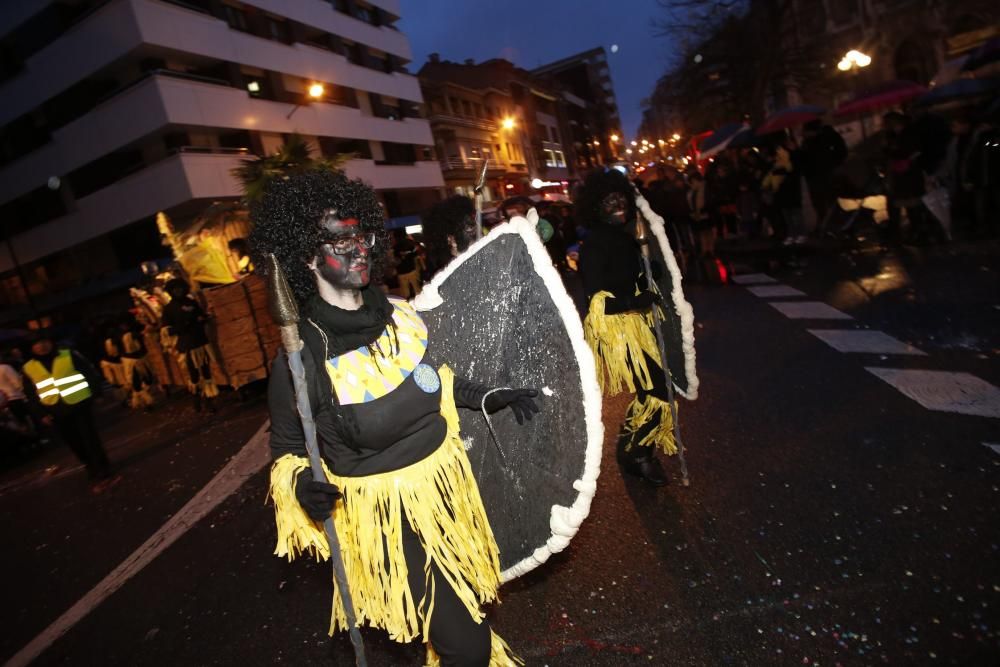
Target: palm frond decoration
(294, 156)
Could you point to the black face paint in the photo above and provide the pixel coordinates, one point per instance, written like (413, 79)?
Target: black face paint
(467, 233)
(349, 271)
(613, 208)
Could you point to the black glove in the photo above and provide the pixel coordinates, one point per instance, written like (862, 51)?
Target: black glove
(518, 400)
(316, 498)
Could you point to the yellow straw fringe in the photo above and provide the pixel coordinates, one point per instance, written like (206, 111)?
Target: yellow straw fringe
(500, 654)
(202, 357)
(640, 413)
(440, 500)
(614, 339)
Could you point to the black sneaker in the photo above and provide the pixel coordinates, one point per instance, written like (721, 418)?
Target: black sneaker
(648, 469)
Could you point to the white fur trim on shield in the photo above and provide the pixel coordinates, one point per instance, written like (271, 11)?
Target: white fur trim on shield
(563, 521)
(681, 306)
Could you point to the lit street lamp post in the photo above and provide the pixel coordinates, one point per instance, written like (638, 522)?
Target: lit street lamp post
(315, 92)
(854, 61)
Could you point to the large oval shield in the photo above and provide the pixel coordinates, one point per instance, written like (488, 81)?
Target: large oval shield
(499, 315)
(678, 323)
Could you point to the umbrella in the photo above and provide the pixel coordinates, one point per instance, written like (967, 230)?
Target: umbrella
(986, 54)
(888, 94)
(949, 71)
(790, 117)
(743, 139)
(723, 137)
(960, 89)
(718, 139)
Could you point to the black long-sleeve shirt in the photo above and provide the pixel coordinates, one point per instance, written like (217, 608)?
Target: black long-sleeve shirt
(393, 431)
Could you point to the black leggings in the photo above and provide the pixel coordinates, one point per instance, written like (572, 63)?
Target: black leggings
(77, 428)
(455, 636)
(659, 390)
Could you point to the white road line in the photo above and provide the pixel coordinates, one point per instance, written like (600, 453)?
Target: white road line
(808, 310)
(753, 279)
(995, 448)
(765, 291)
(867, 342)
(247, 462)
(944, 391)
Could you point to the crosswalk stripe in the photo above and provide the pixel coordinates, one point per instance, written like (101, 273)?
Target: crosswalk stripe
(765, 291)
(753, 279)
(944, 391)
(865, 342)
(808, 310)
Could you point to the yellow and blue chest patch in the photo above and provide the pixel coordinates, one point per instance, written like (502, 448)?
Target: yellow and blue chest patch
(356, 376)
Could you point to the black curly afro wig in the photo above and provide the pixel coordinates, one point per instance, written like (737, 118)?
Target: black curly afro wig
(446, 218)
(286, 221)
(598, 185)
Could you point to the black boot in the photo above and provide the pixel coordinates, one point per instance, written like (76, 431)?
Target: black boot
(647, 468)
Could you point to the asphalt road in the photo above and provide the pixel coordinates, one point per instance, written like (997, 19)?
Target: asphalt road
(831, 519)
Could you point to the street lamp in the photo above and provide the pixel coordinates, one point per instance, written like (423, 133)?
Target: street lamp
(676, 137)
(507, 123)
(614, 138)
(315, 92)
(854, 60)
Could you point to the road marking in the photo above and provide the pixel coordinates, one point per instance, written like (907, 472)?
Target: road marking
(944, 391)
(867, 342)
(753, 279)
(808, 310)
(995, 448)
(765, 291)
(247, 462)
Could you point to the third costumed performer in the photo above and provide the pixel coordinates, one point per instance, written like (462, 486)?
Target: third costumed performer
(419, 555)
(620, 322)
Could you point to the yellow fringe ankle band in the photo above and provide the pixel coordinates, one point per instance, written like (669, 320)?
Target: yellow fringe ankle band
(614, 339)
(439, 499)
(500, 654)
(641, 413)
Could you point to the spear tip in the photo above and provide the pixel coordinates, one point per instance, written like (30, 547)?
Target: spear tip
(281, 301)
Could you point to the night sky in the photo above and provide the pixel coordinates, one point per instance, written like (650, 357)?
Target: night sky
(532, 33)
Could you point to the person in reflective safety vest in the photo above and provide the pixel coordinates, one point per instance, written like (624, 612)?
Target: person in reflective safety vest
(61, 385)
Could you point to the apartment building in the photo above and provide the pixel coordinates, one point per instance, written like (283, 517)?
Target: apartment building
(584, 82)
(117, 110)
(498, 111)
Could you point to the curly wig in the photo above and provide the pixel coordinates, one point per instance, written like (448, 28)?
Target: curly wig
(286, 222)
(598, 185)
(445, 219)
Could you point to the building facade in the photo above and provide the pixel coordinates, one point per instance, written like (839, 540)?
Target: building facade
(584, 82)
(498, 111)
(115, 111)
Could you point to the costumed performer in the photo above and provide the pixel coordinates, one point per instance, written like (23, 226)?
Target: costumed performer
(419, 554)
(186, 322)
(138, 373)
(619, 323)
(449, 228)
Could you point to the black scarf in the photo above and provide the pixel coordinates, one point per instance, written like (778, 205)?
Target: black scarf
(350, 329)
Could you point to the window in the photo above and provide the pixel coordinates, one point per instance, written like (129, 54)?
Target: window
(236, 18)
(331, 146)
(560, 159)
(555, 135)
(550, 158)
(277, 29)
(466, 108)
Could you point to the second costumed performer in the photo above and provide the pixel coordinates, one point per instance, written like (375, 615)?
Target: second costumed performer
(619, 322)
(418, 551)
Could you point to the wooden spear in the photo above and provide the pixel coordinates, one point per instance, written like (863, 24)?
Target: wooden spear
(286, 314)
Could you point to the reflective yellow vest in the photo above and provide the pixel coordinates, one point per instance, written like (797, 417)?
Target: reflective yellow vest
(63, 382)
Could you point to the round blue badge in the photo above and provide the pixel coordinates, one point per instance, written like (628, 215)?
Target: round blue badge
(426, 378)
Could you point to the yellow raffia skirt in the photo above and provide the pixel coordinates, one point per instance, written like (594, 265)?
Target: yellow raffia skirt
(614, 340)
(439, 498)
